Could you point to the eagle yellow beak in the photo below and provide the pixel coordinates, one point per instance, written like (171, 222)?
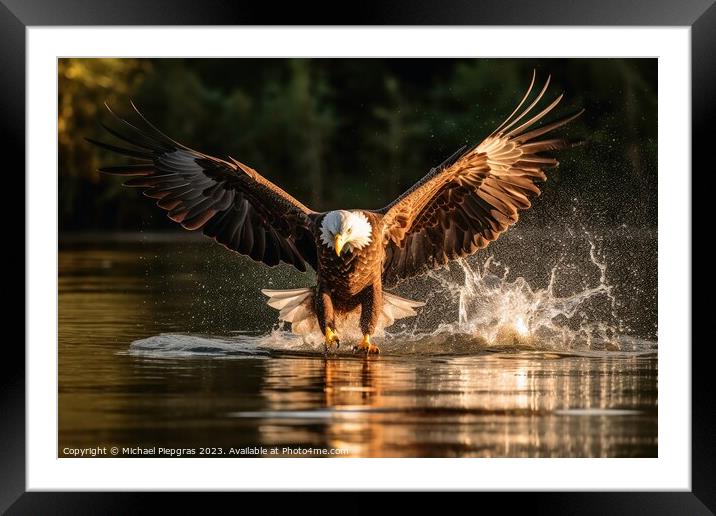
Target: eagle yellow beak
(338, 243)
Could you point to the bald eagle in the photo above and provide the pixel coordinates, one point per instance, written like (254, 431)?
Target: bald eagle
(457, 208)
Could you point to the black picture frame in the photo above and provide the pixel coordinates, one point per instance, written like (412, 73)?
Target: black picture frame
(17, 15)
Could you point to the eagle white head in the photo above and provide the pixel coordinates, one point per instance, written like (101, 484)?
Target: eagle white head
(343, 229)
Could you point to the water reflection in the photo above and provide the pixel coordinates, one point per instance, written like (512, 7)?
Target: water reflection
(493, 405)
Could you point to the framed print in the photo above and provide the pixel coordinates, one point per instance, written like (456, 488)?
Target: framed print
(420, 254)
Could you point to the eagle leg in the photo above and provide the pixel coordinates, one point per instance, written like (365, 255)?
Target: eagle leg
(331, 339)
(325, 315)
(366, 346)
(371, 300)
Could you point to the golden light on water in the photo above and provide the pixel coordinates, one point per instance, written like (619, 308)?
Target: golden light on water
(521, 327)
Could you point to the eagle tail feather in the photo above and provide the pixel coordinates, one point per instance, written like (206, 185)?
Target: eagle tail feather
(289, 302)
(396, 307)
(295, 306)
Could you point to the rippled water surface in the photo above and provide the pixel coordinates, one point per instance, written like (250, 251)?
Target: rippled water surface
(171, 345)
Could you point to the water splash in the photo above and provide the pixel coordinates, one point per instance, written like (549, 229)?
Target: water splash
(510, 312)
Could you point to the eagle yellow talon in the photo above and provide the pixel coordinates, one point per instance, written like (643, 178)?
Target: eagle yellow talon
(332, 338)
(366, 346)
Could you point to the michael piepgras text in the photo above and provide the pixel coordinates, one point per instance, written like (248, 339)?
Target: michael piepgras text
(159, 451)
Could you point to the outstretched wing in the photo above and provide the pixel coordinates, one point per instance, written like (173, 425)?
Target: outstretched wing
(229, 201)
(468, 201)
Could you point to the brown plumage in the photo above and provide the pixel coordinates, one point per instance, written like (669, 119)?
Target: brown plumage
(456, 209)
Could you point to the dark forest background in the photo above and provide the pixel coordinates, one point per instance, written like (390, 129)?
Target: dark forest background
(355, 133)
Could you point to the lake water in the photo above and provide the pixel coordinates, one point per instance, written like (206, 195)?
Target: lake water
(170, 345)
